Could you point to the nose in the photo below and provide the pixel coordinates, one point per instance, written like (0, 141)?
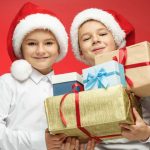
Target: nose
(40, 49)
(95, 39)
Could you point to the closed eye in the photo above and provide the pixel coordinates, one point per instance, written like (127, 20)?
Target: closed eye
(103, 34)
(86, 38)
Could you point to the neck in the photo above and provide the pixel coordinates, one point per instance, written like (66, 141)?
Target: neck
(45, 71)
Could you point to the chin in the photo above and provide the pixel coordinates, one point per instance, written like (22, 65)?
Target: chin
(43, 67)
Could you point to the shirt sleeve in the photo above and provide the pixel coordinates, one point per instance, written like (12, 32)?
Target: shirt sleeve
(16, 139)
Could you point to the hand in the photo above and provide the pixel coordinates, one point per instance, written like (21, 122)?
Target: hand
(70, 144)
(73, 144)
(139, 131)
(54, 142)
(90, 145)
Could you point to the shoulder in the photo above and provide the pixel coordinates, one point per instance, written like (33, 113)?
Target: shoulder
(7, 80)
(7, 77)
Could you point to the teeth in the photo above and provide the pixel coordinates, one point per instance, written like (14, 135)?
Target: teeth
(42, 57)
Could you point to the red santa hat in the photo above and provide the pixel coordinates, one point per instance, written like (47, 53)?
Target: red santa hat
(122, 31)
(29, 18)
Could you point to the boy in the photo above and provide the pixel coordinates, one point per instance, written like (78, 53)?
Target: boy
(95, 31)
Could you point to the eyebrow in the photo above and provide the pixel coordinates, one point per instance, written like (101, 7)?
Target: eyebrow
(50, 39)
(100, 29)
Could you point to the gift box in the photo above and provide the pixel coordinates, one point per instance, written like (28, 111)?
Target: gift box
(104, 75)
(136, 61)
(94, 113)
(66, 83)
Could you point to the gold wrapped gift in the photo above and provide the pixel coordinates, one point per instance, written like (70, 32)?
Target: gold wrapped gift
(100, 112)
(137, 66)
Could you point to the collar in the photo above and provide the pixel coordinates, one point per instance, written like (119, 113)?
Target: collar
(36, 76)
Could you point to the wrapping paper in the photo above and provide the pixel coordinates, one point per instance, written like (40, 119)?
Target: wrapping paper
(94, 113)
(137, 66)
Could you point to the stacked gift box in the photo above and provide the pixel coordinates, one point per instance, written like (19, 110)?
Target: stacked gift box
(66, 83)
(94, 113)
(136, 61)
(106, 100)
(104, 75)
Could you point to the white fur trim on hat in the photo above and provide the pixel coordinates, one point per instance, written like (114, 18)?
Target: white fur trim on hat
(100, 15)
(21, 70)
(40, 21)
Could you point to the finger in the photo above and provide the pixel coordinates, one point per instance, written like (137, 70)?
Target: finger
(93, 144)
(127, 127)
(57, 142)
(82, 147)
(67, 144)
(88, 146)
(59, 137)
(54, 147)
(47, 130)
(127, 134)
(63, 147)
(77, 144)
(72, 143)
(136, 114)
(63, 139)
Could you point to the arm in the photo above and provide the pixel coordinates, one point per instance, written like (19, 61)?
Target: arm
(11, 138)
(139, 131)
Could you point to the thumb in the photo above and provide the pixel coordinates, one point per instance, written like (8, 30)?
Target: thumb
(136, 115)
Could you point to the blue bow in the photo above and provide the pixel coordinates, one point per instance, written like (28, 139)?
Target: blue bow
(99, 78)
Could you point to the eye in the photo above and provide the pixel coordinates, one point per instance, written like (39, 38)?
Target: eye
(86, 38)
(49, 43)
(103, 34)
(31, 43)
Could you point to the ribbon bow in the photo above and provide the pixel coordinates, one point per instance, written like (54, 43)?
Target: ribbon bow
(99, 78)
(122, 60)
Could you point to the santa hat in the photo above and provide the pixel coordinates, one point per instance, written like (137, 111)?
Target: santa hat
(122, 31)
(29, 18)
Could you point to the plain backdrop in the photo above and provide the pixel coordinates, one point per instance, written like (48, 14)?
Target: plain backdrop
(136, 11)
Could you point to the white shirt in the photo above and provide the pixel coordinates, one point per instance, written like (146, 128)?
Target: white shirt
(22, 114)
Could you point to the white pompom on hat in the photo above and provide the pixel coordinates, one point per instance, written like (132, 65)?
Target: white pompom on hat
(29, 18)
(21, 69)
(122, 31)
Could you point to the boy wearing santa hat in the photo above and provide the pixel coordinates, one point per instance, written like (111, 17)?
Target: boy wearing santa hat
(95, 31)
(37, 39)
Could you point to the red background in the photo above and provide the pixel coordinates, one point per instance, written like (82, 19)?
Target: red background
(136, 11)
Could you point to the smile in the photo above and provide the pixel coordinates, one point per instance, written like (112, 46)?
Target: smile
(41, 58)
(98, 50)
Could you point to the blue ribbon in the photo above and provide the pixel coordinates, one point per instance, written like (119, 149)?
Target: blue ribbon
(99, 78)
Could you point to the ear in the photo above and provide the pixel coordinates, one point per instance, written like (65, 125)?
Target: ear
(58, 49)
(81, 55)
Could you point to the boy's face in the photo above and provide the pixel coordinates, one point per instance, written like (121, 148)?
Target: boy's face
(40, 49)
(94, 38)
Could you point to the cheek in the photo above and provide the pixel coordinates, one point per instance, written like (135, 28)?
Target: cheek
(84, 46)
(54, 50)
(27, 55)
(112, 44)
(55, 53)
